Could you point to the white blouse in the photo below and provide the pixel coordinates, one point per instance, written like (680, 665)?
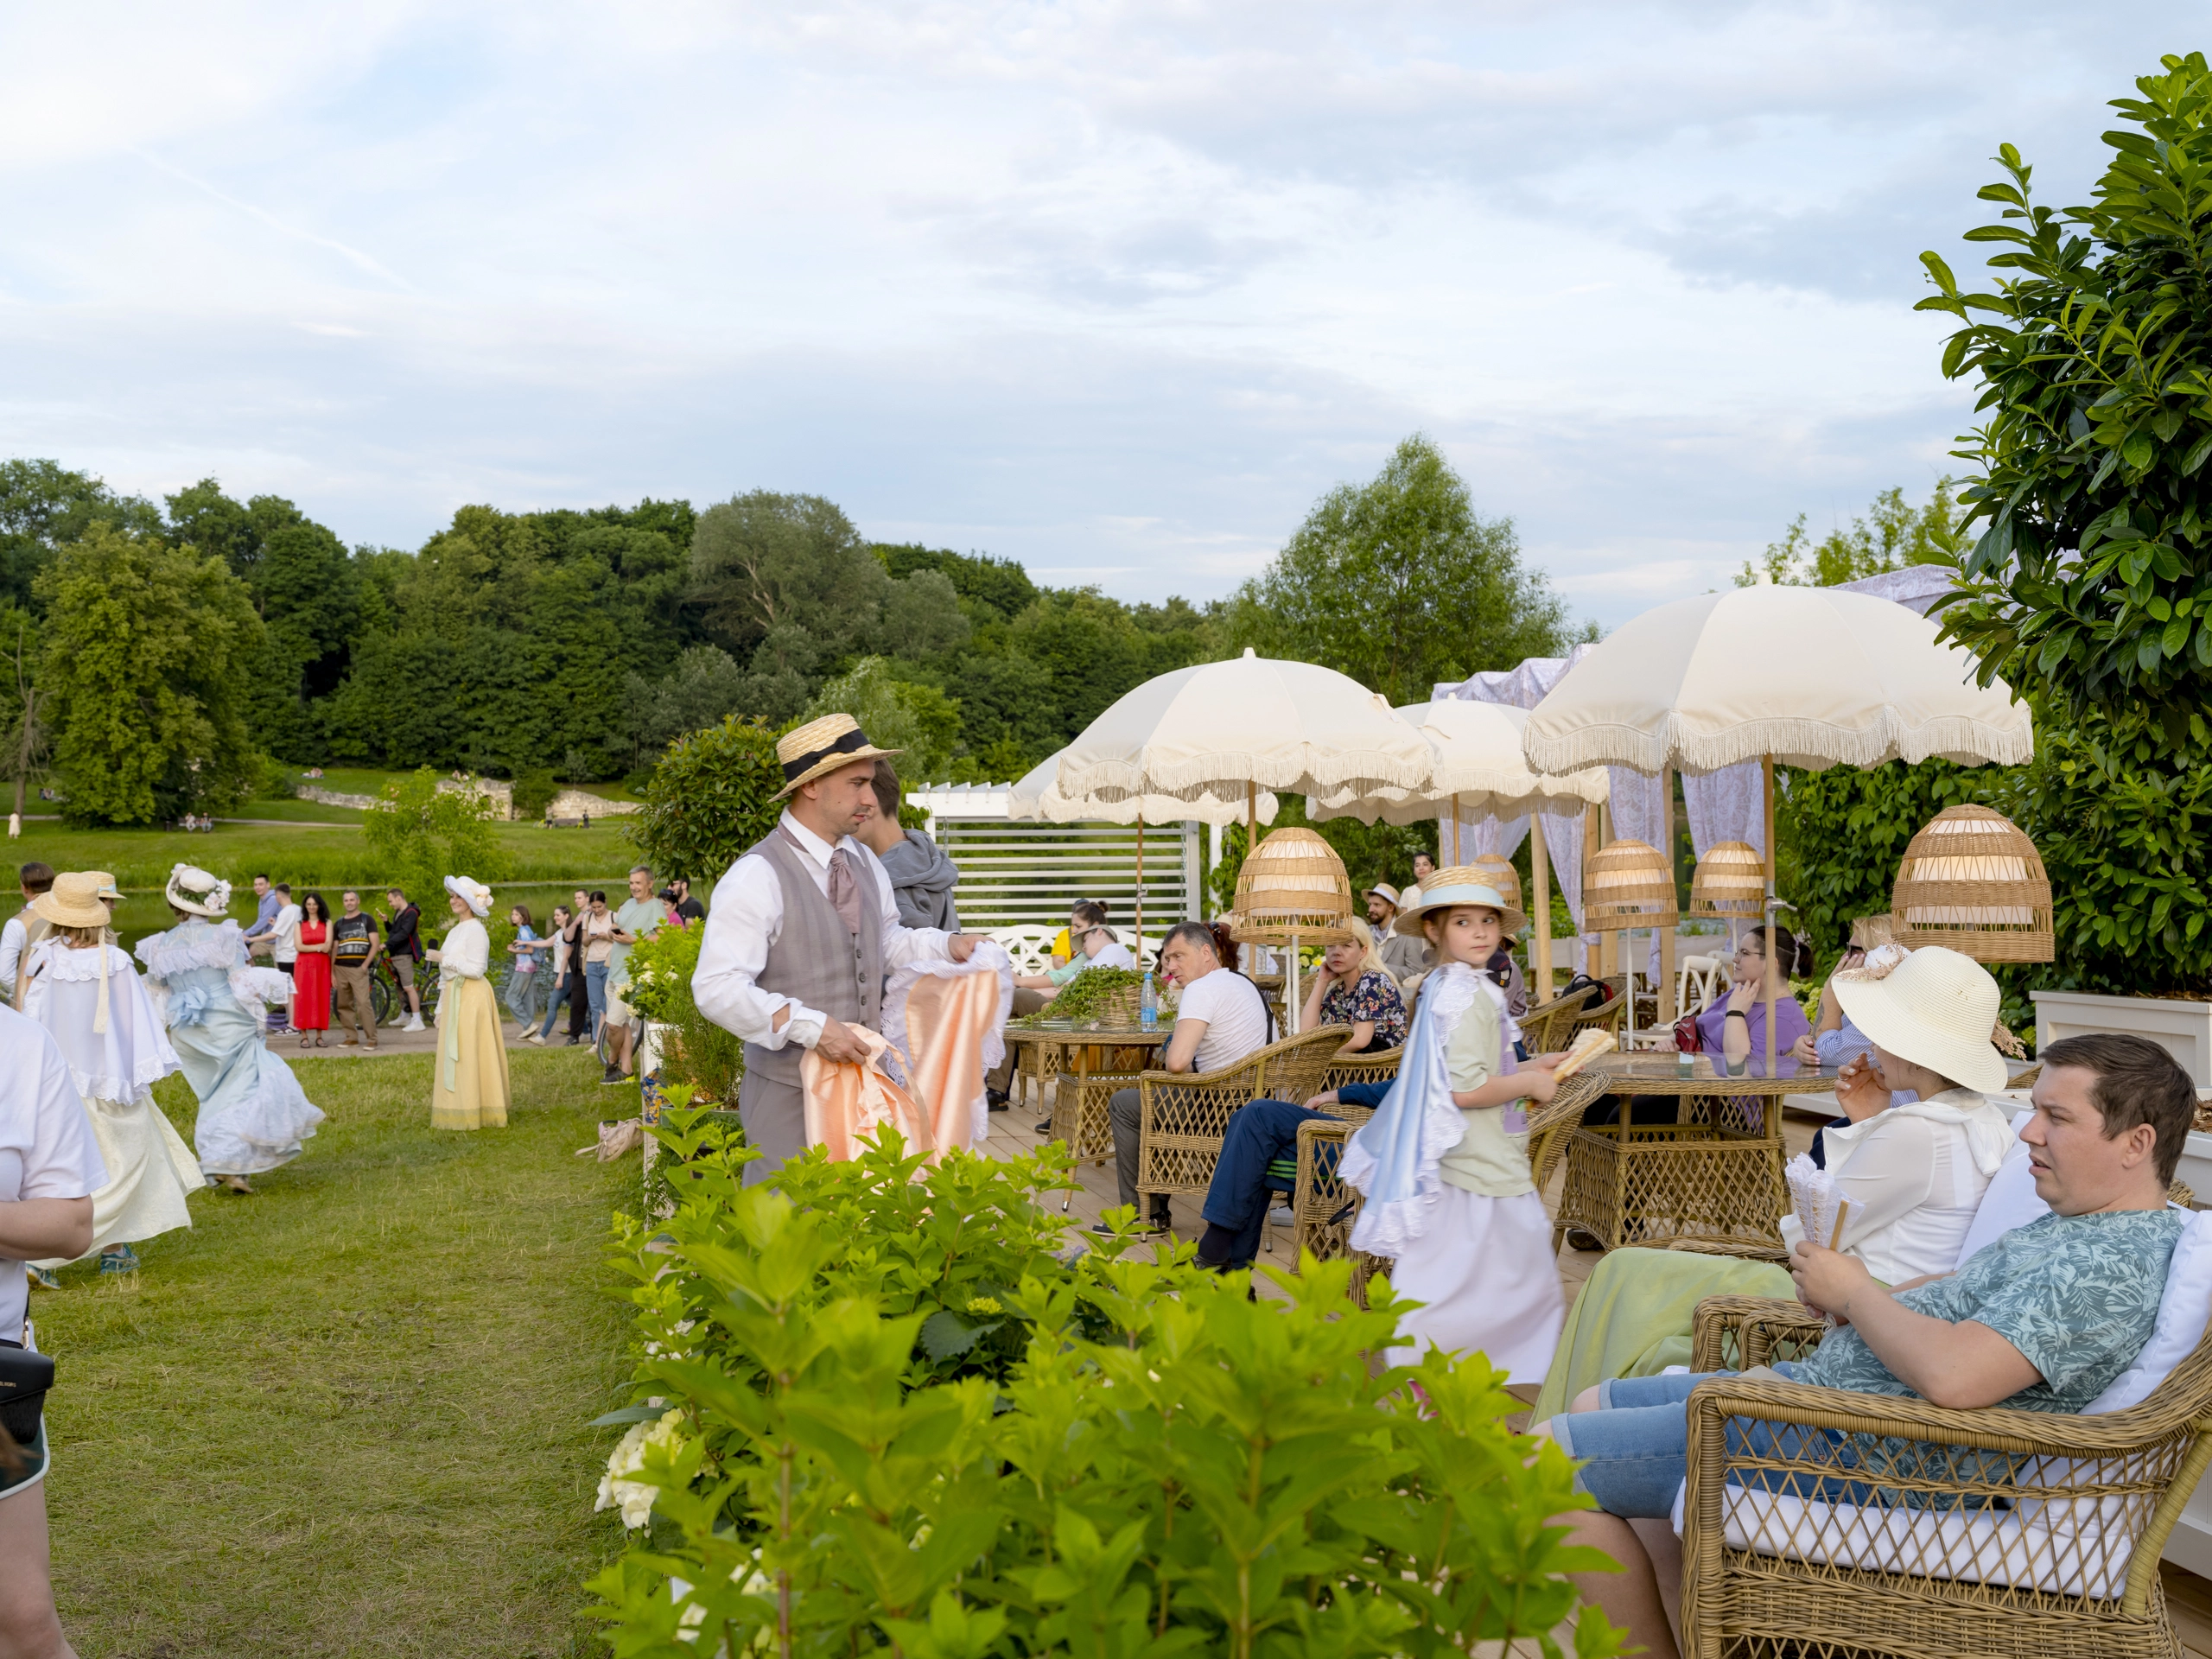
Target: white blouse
(1914, 1175)
(466, 952)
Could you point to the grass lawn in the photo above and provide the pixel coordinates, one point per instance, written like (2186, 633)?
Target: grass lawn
(344, 1415)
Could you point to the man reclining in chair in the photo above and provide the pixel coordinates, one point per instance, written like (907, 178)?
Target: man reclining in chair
(2042, 1319)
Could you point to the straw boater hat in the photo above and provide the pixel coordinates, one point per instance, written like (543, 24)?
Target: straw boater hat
(1383, 891)
(74, 900)
(108, 889)
(193, 890)
(474, 894)
(822, 746)
(1935, 1008)
(1462, 884)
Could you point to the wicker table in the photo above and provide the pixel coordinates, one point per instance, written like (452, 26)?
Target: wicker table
(1715, 1172)
(1082, 1115)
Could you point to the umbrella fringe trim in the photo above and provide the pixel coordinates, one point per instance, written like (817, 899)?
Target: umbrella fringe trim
(1189, 780)
(1949, 737)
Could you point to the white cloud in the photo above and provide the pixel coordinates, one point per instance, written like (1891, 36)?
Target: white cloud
(1115, 286)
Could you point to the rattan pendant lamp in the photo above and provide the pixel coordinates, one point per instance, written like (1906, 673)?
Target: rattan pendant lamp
(1972, 881)
(1626, 886)
(1502, 875)
(1729, 883)
(1292, 889)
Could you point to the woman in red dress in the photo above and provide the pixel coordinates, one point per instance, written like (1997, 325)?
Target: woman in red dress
(311, 973)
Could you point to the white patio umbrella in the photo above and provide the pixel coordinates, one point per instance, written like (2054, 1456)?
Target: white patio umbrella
(1810, 676)
(1037, 799)
(1245, 725)
(1481, 772)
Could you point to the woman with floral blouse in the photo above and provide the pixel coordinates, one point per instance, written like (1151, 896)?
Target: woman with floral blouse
(1354, 989)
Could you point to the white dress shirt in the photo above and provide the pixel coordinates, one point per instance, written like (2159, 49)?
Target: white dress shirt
(12, 939)
(747, 917)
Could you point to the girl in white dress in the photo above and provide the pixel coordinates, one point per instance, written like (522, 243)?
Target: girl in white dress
(1443, 1162)
(85, 993)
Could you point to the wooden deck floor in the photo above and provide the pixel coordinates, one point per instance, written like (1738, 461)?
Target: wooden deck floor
(2188, 1597)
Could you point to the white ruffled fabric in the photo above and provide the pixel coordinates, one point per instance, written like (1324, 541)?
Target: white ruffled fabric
(988, 958)
(133, 1054)
(1394, 1159)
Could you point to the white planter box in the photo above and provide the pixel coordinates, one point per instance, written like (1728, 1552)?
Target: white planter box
(2183, 1029)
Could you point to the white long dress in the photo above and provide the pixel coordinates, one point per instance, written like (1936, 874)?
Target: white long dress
(149, 1169)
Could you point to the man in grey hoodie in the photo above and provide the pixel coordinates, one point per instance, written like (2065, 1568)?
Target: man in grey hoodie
(922, 877)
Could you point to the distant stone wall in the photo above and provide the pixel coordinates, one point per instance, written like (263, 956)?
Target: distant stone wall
(569, 804)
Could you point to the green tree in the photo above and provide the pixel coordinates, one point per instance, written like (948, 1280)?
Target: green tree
(146, 651)
(920, 721)
(764, 565)
(1890, 534)
(711, 796)
(2090, 585)
(1399, 584)
(422, 833)
(705, 684)
(44, 507)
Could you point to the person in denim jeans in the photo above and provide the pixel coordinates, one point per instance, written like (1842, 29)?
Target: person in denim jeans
(598, 945)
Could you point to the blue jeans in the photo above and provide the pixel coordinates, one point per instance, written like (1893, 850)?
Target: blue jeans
(1634, 1448)
(596, 993)
(554, 1004)
(1259, 1133)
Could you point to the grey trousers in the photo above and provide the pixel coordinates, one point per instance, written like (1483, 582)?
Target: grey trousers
(1127, 1108)
(774, 1117)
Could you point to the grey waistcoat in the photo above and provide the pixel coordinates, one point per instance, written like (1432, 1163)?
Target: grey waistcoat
(815, 959)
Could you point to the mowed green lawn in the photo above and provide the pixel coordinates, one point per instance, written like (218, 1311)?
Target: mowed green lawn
(346, 1414)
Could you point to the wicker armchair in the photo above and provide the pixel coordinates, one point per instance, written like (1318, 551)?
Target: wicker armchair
(1184, 1115)
(1606, 1016)
(1950, 1552)
(1545, 1028)
(1378, 1067)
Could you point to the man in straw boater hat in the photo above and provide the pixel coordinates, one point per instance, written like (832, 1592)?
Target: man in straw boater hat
(801, 933)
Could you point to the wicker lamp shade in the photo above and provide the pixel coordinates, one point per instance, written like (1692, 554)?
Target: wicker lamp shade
(1292, 883)
(1730, 881)
(1500, 874)
(1972, 882)
(1627, 885)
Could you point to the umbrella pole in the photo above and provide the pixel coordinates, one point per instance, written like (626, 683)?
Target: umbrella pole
(1452, 822)
(1773, 956)
(1251, 817)
(1540, 879)
(1666, 986)
(1140, 891)
(1290, 1003)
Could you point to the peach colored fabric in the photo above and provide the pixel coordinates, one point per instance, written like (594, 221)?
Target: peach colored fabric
(847, 1103)
(948, 1020)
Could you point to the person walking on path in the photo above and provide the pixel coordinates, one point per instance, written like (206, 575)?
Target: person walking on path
(468, 1079)
(802, 930)
(355, 947)
(555, 973)
(85, 993)
(311, 971)
(284, 935)
(599, 946)
(640, 918)
(402, 943)
(523, 981)
(569, 973)
(23, 929)
(50, 1165)
(253, 1114)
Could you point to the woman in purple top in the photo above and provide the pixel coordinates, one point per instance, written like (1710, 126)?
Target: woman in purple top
(1733, 1029)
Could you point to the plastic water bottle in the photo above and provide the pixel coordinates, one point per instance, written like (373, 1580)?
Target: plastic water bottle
(1148, 1004)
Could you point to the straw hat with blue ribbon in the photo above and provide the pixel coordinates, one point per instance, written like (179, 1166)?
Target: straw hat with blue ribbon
(1462, 884)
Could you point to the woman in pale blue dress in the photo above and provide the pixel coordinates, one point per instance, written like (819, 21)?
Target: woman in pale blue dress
(253, 1114)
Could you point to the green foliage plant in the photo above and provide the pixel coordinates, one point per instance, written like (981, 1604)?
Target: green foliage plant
(1084, 997)
(918, 721)
(146, 653)
(534, 791)
(2090, 585)
(1160, 1465)
(711, 797)
(703, 1055)
(421, 834)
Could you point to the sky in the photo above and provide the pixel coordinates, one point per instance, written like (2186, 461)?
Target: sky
(1117, 288)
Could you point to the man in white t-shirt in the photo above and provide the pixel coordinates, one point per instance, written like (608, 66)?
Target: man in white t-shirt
(284, 931)
(1220, 1018)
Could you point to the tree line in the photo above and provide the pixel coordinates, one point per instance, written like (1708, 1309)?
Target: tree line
(171, 652)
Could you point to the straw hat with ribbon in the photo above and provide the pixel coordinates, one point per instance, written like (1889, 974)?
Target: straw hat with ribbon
(74, 900)
(474, 894)
(1934, 1007)
(108, 889)
(822, 746)
(191, 890)
(1462, 884)
(1383, 891)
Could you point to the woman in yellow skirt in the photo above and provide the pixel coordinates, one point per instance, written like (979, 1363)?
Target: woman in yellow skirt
(469, 1085)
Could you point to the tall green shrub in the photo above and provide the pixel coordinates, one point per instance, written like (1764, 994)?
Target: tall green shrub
(2090, 586)
(421, 834)
(711, 797)
(1158, 1465)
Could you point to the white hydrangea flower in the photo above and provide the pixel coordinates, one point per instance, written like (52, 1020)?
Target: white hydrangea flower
(635, 1497)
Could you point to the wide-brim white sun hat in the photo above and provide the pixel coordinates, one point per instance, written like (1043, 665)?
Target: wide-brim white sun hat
(474, 894)
(1935, 1008)
(193, 890)
(1462, 884)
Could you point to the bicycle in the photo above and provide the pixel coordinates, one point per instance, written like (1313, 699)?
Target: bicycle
(389, 999)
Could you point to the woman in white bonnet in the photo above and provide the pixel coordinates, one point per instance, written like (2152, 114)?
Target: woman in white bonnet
(253, 1114)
